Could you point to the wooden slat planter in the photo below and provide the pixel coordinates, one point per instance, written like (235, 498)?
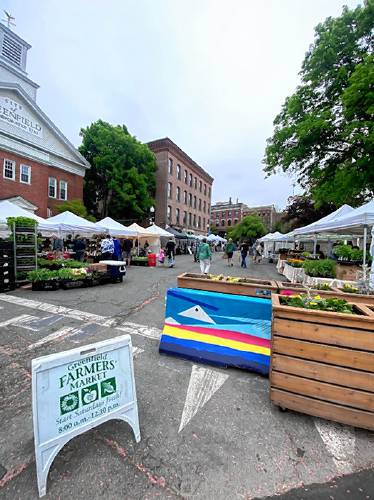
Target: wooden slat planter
(299, 288)
(252, 287)
(358, 298)
(323, 363)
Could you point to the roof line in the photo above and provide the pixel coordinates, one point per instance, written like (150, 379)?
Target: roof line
(166, 141)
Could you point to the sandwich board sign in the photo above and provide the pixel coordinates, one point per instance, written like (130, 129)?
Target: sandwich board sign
(74, 391)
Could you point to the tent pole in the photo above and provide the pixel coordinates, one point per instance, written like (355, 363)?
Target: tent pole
(315, 245)
(364, 249)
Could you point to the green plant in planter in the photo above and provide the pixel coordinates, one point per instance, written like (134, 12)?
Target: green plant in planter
(343, 252)
(349, 288)
(72, 274)
(322, 286)
(330, 304)
(42, 275)
(323, 268)
(306, 254)
(21, 222)
(357, 255)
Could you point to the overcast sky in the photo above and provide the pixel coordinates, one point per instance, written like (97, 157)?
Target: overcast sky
(209, 74)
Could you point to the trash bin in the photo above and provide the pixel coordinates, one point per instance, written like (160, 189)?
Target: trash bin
(152, 260)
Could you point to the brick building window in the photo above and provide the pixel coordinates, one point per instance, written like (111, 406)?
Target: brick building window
(204, 207)
(204, 224)
(170, 188)
(184, 217)
(235, 221)
(178, 172)
(178, 196)
(229, 222)
(200, 186)
(205, 189)
(63, 190)
(190, 199)
(189, 219)
(25, 174)
(209, 192)
(217, 222)
(185, 197)
(52, 187)
(9, 171)
(185, 177)
(195, 182)
(200, 204)
(177, 215)
(169, 213)
(194, 201)
(194, 220)
(170, 165)
(199, 222)
(222, 222)
(190, 178)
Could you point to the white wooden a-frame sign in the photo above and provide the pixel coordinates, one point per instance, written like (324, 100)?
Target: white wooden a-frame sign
(74, 391)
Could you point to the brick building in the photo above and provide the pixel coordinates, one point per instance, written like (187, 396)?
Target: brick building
(183, 189)
(226, 214)
(39, 167)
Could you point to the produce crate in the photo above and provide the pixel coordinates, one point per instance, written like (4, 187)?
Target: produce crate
(251, 287)
(323, 363)
(68, 284)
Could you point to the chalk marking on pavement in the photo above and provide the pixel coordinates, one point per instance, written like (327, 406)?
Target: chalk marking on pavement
(65, 332)
(18, 320)
(126, 327)
(340, 442)
(203, 384)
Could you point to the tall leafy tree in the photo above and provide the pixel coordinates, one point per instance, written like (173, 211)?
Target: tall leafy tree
(76, 207)
(250, 227)
(121, 181)
(301, 211)
(324, 133)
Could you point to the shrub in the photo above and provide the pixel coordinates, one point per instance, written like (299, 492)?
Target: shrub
(324, 268)
(42, 275)
(330, 304)
(21, 222)
(343, 251)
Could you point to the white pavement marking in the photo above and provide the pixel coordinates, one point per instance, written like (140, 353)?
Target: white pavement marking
(340, 442)
(127, 327)
(203, 384)
(136, 351)
(18, 320)
(52, 308)
(65, 332)
(143, 330)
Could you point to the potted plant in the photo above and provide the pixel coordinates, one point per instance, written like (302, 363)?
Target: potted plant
(43, 279)
(323, 358)
(72, 278)
(322, 268)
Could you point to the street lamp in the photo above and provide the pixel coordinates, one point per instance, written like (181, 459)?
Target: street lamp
(152, 211)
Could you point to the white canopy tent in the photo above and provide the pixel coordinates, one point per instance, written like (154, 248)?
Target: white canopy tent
(315, 226)
(8, 209)
(67, 222)
(114, 228)
(140, 231)
(159, 231)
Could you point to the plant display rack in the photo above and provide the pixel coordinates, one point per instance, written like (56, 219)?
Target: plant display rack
(323, 363)
(251, 287)
(25, 248)
(7, 277)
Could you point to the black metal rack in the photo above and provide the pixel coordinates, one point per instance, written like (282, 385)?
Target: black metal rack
(25, 246)
(7, 277)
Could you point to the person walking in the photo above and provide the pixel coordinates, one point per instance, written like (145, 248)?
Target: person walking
(244, 247)
(229, 251)
(204, 256)
(170, 252)
(127, 247)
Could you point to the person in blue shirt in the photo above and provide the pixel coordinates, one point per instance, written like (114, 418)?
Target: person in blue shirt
(117, 252)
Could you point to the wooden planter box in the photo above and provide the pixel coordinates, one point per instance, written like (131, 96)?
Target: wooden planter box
(323, 363)
(252, 287)
(357, 298)
(299, 288)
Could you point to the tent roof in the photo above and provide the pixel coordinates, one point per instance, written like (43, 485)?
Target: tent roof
(314, 227)
(140, 231)
(9, 209)
(115, 228)
(158, 231)
(177, 234)
(67, 221)
(354, 220)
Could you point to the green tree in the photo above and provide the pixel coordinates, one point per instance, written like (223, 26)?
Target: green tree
(76, 207)
(301, 211)
(250, 227)
(324, 133)
(121, 181)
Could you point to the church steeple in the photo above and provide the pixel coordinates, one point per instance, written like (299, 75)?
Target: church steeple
(13, 59)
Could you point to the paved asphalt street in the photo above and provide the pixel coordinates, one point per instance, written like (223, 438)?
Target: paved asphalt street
(232, 443)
